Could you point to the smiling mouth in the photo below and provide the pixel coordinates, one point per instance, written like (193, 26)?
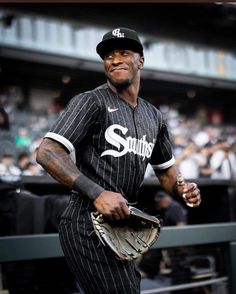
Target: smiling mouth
(118, 69)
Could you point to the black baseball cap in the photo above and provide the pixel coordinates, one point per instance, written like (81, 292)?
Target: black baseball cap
(160, 195)
(120, 38)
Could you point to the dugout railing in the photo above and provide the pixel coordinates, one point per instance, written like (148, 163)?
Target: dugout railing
(45, 246)
(218, 232)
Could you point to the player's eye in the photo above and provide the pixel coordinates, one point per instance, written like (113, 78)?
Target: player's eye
(124, 53)
(108, 56)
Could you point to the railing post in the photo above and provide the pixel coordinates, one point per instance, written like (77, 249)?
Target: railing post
(1, 283)
(232, 267)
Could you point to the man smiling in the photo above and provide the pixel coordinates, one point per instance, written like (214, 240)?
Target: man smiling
(100, 147)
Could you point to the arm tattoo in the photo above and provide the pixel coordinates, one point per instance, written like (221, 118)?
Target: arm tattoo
(167, 179)
(57, 162)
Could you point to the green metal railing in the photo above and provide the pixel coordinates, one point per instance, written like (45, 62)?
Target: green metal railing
(30, 247)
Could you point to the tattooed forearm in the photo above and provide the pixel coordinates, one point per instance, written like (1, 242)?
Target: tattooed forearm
(57, 162)
(167, 178)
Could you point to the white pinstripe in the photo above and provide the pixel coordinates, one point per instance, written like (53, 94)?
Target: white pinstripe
(94, 277)
(84, 124)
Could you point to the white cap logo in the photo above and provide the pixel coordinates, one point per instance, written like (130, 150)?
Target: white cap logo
(118, 34)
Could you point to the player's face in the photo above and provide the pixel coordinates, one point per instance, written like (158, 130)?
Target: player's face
(121, 67)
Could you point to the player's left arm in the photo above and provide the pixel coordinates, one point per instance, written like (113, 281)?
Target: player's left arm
(163, 163)
(189, 191)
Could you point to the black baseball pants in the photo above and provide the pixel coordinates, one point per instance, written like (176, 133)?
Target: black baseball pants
(95, 267)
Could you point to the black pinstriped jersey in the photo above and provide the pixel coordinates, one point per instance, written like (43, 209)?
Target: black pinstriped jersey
(112, 142)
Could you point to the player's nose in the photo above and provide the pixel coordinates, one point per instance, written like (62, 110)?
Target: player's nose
(117, 59)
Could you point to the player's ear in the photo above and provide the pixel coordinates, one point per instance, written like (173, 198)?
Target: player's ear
(141, 62)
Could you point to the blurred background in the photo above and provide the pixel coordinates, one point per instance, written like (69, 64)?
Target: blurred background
(48, 55)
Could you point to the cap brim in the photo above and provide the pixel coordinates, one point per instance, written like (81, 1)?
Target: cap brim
(118, 43)
(160, 195)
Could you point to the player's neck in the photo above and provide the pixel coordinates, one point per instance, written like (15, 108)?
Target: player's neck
(129, 94)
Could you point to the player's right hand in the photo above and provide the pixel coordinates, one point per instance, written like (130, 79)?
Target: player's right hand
(112, 205)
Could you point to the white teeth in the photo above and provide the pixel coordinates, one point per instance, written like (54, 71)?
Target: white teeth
(184, 195)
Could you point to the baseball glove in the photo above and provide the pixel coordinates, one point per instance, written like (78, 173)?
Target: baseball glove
(128, 238)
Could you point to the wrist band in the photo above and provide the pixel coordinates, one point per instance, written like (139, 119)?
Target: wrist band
(87, 187)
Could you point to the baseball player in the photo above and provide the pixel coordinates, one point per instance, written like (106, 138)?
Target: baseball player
(99, 147)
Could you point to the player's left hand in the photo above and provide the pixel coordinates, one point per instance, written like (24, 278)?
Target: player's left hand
(191, 194)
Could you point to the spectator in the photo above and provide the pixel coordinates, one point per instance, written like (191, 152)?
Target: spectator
(202, 137)
(179, 143)
(157, 265)
(223, 161)
(205, 170)
(31, 169)
(23, 140)
(173, 261)
(188, 161)
(23, 160)
(171, 211)
(8, 171)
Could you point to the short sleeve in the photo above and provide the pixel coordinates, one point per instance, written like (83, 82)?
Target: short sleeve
(162, 156)
(75, 121)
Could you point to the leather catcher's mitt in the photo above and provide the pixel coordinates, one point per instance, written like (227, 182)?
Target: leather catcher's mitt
(128, 238)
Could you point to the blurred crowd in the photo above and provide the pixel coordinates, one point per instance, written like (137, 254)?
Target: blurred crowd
(21, 132)
(201, 149)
